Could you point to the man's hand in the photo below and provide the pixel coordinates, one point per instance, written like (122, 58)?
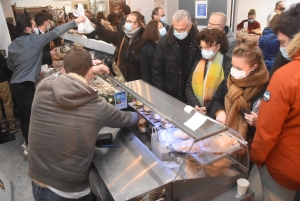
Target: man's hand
(100, 69)
(251, 118)
(80, 19)
(221, 117)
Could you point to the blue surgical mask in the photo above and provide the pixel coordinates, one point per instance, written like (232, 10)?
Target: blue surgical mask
(251, 20)
(180, 36)
(48, 27)
(162, 32)
(284, 53)
(163, 19)
(128, 26)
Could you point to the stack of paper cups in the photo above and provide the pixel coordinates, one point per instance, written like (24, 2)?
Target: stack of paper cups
(242, 185)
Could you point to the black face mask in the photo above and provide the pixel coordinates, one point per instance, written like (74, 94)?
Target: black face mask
(282, 9)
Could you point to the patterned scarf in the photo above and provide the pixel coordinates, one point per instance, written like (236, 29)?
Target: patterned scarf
(205, 87)
(239, 97)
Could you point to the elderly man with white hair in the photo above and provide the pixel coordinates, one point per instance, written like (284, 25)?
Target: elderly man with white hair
(217, 20)
(175, 55)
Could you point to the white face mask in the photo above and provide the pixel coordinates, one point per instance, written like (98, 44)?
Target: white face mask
(284, 53)
(208, 54)
(237, 74)
(36, 30)
(48, 27)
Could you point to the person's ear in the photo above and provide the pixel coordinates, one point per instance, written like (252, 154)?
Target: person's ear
(254, 67)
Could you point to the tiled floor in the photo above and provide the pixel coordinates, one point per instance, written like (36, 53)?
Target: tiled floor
(14, 166)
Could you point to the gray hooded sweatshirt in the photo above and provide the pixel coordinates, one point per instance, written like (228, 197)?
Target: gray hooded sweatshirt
(66, 118)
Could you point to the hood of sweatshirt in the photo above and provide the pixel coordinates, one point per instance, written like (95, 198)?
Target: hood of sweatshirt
(71, 92)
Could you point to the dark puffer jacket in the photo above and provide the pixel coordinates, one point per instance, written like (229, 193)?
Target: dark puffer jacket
(167, 68)
(130, 68)
(269, 45)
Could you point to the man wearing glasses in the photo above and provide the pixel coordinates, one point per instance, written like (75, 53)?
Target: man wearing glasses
(175, 55)
(42, 21)
(217, 20)
(158, 14)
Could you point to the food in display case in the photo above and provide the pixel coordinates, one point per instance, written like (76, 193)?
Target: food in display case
(143, 126)
(217, 168)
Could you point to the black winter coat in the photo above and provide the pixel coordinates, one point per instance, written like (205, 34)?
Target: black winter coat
(130, 68)
(218, 103)
(190, 95)
(278, 63)
(167, 68)
(147, 55)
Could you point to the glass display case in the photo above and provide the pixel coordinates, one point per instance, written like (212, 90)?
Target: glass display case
(180, 155)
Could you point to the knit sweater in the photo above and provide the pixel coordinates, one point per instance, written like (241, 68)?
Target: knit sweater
(251, 26)
(66, 118)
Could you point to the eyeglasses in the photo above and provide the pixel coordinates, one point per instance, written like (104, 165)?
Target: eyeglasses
(207, 48)
(181, 30)
(211, 24)
(130, 22)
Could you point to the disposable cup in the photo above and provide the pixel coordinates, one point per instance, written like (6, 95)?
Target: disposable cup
(242, 185)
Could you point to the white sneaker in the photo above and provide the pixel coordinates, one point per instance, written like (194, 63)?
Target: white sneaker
(24, 146)
(25, 152)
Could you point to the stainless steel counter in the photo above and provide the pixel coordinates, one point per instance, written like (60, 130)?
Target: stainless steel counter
(130, 169)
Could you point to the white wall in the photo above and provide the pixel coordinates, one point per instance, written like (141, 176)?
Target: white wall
(146, 7)
(5, 37)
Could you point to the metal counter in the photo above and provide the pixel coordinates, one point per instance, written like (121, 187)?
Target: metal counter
(129, 170)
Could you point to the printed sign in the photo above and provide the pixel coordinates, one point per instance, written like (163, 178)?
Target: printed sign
(120, 100)
(200, 9)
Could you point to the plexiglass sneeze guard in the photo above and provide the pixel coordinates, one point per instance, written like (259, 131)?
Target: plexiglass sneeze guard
(213, 150)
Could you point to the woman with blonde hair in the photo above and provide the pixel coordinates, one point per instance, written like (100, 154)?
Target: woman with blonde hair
(237, 100)
(250, 24)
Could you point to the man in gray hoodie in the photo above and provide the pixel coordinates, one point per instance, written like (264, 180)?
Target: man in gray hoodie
(217, 20)
(66, 117)
(25, 60)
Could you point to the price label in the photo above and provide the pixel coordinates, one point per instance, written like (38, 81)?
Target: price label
(120, 99)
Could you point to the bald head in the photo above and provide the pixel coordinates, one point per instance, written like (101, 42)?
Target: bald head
(217, 20)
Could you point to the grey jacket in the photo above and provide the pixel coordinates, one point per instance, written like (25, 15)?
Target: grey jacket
(66, 118)
(25, 53)
(231, 41)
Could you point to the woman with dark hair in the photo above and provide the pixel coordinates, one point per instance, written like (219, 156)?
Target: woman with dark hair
(154, 30)
(208, 72)
(129, 43)
(102, 19)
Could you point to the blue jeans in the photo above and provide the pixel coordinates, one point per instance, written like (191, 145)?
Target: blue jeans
(45, 194)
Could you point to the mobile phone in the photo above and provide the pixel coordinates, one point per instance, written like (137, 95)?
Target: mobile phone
(243, 112)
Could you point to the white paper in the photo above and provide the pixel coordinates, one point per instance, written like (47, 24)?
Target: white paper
(195, 121)
(189, 109)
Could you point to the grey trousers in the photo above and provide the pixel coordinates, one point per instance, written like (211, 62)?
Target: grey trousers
(273, 191)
